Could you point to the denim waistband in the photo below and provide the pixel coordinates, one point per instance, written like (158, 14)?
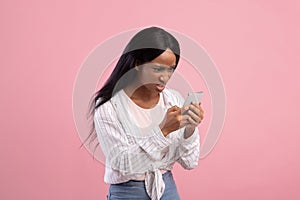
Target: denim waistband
(131, 182)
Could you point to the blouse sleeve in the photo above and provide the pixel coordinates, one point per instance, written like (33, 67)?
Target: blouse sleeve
(121, 154)
(189, 150)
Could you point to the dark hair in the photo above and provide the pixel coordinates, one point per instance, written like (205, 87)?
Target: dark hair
(144, 47)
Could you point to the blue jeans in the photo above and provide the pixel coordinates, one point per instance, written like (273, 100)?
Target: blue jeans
(136, 190)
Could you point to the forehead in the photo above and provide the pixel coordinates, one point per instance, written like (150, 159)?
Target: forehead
(167, 58)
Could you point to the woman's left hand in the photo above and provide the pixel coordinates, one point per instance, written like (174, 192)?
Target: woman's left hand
(196, 115)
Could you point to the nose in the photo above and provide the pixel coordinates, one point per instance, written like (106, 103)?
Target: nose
(165, 76)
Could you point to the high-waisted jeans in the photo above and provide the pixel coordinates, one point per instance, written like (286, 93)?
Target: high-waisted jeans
(136, 190)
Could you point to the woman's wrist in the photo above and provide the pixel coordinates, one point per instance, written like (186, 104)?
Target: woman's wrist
(188, 131)
(163, 130)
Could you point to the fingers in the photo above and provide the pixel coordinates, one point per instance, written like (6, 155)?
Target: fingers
(173, 109)
(184, 110)
(187, 115)
(184, 120)
(195, 113)
(193, 118)
(195, 108)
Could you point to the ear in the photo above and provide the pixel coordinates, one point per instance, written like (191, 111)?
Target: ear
(137, 63)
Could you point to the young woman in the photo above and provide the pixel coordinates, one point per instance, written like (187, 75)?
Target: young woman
(142, 127)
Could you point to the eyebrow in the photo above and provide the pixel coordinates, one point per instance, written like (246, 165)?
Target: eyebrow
(159, 65)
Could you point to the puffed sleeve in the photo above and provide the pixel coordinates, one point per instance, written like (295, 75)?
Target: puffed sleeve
(189, 150)
(123, 155)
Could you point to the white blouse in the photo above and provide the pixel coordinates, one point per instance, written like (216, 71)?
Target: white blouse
(134, 146)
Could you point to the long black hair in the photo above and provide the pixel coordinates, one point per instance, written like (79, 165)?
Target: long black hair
(144, 47)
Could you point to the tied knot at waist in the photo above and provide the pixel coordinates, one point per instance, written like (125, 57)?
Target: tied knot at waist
(155, 185)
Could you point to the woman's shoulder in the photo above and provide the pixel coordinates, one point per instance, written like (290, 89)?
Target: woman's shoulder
(107, 106)
(111, 104)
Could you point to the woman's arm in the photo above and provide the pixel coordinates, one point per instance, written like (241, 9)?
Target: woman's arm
(124, 154)
(189, 150)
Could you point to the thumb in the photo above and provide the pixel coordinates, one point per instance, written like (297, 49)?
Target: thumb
(173, 109)
(184, 109)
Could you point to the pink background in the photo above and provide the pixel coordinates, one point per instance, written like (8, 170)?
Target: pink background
(254, 44)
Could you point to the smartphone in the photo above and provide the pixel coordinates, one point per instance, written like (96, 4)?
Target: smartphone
(193, 96)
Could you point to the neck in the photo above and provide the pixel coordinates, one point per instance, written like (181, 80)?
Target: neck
(140, 93)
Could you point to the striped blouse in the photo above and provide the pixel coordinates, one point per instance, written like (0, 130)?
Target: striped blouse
(133, 152)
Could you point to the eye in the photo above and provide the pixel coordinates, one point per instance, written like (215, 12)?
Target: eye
(158, 69)
(171, 69)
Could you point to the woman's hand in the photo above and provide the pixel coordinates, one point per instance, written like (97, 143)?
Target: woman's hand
(176, 118)
(173, 120)
(195, 115)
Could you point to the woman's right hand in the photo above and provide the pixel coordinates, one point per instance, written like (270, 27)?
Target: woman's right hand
(174, 120)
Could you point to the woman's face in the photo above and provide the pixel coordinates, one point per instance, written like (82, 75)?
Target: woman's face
(154, 75)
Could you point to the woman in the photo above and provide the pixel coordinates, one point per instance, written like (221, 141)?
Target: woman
(141, 126)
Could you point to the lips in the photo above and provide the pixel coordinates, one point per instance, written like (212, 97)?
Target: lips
(160, 87)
